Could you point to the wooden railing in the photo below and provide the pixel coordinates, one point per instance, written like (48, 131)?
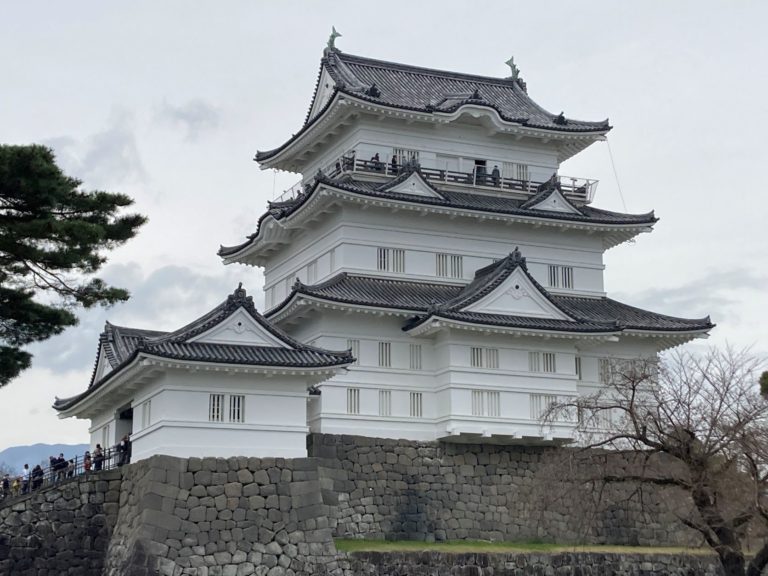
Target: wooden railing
(578, 189)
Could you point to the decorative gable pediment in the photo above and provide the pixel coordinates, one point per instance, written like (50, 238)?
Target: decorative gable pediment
(415, 185)
(517, 296)
(103, 367)
(325, 87)
(554, 202)
(239, 328)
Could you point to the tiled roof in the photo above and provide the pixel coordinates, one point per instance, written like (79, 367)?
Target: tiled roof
(122, 345)
(430, 91)
(449, 199)
(588, 314)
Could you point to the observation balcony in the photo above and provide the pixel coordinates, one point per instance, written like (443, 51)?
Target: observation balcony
(578, 190)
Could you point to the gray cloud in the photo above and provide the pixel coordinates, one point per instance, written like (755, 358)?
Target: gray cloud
(194, 117)
(105, 160)
(165, 299)
(719, 294)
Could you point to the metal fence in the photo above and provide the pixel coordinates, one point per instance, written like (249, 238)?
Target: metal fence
(41, 477)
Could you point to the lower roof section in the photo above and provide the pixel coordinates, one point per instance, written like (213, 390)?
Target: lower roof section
(418, 300)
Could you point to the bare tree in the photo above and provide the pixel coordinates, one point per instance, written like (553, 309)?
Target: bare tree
(697, 423)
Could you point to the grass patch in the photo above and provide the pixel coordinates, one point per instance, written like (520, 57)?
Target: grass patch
(480, 546)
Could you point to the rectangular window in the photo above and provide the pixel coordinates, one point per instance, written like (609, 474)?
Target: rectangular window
(415, 363)
(577, 367)
(354, 346)
(382, 259)
(390, 259)
(416, 405)
(515, 171)
(540, 403)
(146, 413)
(476, 357)
(449, 265)
(492, 357)
(548, 363)
(534, 361)
(404, 155)
(237, 408)
(216, 408)
(385, 403)
(485, 403)
(385, 354)
(560, 276)
(353, 400)
(312, 272)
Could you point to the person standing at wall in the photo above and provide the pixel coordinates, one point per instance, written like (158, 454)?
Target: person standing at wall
(98, 458)
(25, 475)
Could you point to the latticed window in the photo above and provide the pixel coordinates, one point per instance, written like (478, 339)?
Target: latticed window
(237, 408)
(385, 354)
(516, 171)
(449, 265)
(476, 357)
(540, 403)
(605, 370)
(353, 400)
(560, 276)
(415, 350)
(216, 408)
(417, 407)
(534, 361)
(385, 403)
(390, 260)
(492, 357)
(405, 155)
(486, 403)
(548, 362)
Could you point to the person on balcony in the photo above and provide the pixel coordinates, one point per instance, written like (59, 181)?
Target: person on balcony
(376, 163)
(98, 458)
(496, 175)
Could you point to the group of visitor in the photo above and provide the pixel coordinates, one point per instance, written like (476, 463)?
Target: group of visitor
(60, 469)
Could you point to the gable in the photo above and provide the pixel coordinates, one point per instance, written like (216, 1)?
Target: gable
(555, 202)
(103, 367)
(415, 185)
(240, 328)
(325, 87)
(517, 296)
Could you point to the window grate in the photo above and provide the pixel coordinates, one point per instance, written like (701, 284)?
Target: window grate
(476, 357)
(216, 408)
(560, 276)
(415, 363)
(416, 404)
(385, 354)
(237, 408)
(385, 403)
(577, 367)
(549, 364)
(353, 400)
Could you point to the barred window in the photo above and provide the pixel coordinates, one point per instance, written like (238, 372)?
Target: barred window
(390, 260)
(476, 357)
(385, 354)
(449, 265)
(385, 403)
(561, 276)
(216, 408)
(577, 367)
(416, 404)
(353, 400)
(415, 363)
(486, 403)
(237, 408)
(534, 361)
(549, 364)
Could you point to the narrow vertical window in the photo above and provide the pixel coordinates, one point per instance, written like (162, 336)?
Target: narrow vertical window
(534, 361)
(549, 362)
(385, 354)
(146, 413)
(354, 346)
(385, 403)
(567, 272)
(554, 277)
(382, 259)
(237, 408)
(398, 260)
(441, 264)
(577, 367)
(353, 400)
(492, 357)
(216, 408)
(457, 266)
(415, 357)
(476, 357)
(493, 404)
(560, 276)
(416, 404)
(478, 403)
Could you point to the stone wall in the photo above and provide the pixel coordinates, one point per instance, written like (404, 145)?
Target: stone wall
(224, 517)
(64, 529)
(585, 564)
(278, 517)
(400, 489)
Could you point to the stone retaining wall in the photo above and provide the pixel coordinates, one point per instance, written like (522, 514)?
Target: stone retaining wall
(567, 564)
(64, 529)
(406, 490)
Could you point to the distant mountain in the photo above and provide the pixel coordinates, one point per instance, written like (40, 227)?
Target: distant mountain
(16, 456)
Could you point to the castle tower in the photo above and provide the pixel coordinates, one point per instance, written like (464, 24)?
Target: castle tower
(432, 235)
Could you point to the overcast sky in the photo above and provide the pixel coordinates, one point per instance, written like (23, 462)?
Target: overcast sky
(169, 101)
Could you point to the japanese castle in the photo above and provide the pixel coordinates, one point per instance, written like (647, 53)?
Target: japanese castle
(431, 276)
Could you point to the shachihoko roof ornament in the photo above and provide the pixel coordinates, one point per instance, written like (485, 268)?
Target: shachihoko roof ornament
(514, 70)
(332, 40)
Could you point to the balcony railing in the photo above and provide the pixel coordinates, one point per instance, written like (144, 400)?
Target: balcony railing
(581, 190)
